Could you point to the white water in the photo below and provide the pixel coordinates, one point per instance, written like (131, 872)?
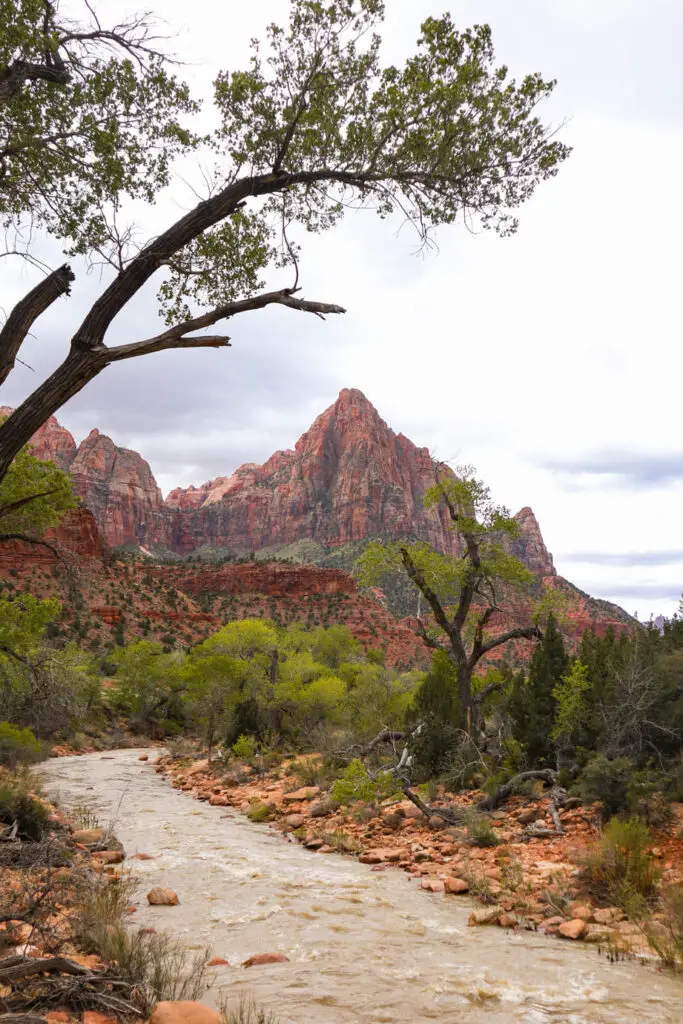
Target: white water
(363, 947)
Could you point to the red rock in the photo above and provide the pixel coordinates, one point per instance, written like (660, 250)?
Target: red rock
(108, 856)
(572, 929)
(305, 793)
(295, 820)
(507, 920)
(218, 961)
(348, 478)
(184, 1012)
(93, 1017)
(219, 800)
(432, 885)
(88, 836)
(57, 1017)
(265, 958)
(456, 886)
(162, 898)
(608, 915)
(142, 856)
(143, 757)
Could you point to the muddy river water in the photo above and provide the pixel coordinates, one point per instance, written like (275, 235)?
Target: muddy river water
(363, 946)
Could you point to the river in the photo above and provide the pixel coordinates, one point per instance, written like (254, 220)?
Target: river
(364, 947)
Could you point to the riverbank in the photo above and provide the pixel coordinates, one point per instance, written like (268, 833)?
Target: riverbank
(357, 946)
(67, 953)
(523, 882)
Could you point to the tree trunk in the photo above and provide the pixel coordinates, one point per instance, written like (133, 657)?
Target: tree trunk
(77, 370)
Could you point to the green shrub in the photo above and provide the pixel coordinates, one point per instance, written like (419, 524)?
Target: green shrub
(18, 746)
(357, 785)
(259, 812)
(312, 771)
(607, 781)
(480, 830)
(620, 869)
(18, 806)
(244, 747)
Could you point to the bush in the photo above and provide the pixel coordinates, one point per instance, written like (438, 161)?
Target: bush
(18, 746)
(20, 808)
(259, 812)
(607, 781)
(620, 870)
(480, 830)
(244, 747)
(357, 785)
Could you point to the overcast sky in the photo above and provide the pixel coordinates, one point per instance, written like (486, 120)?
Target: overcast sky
(551, 360)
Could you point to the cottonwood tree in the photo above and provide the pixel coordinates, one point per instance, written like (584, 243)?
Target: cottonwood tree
(463, 593)
(315, 126)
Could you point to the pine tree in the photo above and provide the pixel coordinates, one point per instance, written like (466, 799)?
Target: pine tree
(532, 703)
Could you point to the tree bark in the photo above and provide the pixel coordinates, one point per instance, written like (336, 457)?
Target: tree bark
(27, 311)
(503, 792)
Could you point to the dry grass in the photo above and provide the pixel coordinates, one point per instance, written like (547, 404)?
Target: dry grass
(157, 965)
(247, 1012)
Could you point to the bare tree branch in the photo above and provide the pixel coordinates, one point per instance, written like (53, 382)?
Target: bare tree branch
(522, 633)
(27, 311)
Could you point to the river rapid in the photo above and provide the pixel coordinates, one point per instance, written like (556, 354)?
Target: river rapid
(364, 947)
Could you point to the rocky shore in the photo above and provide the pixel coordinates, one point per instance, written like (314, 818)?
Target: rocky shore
(523, 881)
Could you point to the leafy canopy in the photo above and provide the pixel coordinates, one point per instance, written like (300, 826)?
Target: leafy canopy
(88, 116)
(446, 134)
(34, 495)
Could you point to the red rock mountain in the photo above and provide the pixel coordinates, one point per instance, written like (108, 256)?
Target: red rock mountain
(349, 477)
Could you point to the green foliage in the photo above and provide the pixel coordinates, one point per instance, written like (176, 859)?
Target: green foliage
(620, 869)
(436, 706)
(480, 830)
(108, 129)
(21, 808)
(571, 696)
(356, 784)
(460, 593)
(244, 748)
(607, 781)
(532, 703)
(259, 812)
(149, 686)
(34, 495)
(18, 746)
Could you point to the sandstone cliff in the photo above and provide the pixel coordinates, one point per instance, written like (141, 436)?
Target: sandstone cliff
(349, 477)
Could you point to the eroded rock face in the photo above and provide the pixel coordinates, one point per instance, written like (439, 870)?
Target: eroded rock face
(52, 441)
(118, 486)
(348, 478)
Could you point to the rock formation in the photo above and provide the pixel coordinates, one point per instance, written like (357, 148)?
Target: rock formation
(348, 478)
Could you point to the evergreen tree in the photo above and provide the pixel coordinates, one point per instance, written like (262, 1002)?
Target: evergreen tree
(533, 704)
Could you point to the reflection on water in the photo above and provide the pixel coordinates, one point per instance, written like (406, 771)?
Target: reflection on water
(363, 947)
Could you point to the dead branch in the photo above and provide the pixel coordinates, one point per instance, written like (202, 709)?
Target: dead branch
(448, 814)
(27, 311)
(12, 971)
(490, 803)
